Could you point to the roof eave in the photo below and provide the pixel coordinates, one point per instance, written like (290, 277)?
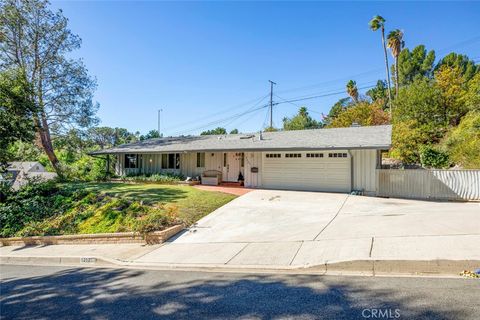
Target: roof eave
(105, 152)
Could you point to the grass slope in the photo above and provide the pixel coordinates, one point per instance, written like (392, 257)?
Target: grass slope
(120, 207)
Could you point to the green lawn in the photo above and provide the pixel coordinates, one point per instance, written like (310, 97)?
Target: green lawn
(81, 208)
(192, 203)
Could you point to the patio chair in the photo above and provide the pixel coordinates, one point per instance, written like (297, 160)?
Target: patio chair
(211, 177)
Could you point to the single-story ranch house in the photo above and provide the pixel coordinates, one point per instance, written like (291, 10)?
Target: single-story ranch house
(337, 159)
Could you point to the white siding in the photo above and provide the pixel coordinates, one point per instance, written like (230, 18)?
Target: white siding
(364, 166)
(331, 174)
(253, 160)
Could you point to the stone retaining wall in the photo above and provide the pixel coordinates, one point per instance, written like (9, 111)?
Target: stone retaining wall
(98, 238)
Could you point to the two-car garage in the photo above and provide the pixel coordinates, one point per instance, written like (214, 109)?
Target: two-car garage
(307, 170)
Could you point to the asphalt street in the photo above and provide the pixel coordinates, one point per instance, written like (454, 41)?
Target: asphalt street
(46, 292)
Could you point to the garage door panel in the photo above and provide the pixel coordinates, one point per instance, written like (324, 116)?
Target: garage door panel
(302, 173)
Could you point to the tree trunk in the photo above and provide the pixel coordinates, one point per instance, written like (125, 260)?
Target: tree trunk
(387, 71)
(397, 86)
(45, 142)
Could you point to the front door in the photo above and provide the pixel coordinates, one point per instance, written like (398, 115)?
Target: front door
(232, 166)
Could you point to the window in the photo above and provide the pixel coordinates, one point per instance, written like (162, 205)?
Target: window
(200, 159)
(131, 161)
(242, 160)
(224, 159)
(314, 155)
(338, 155)
(171, 161)
(273, 155)
(293, 155)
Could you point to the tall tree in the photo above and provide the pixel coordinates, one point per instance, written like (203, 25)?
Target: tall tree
(467, 67)
(152, 134)
(105, 137)
(301, 121)
(378, 22)
(38, 41)
(352, 90)
(395, 43)
(415, 64)
(379, 92)
(16, 111)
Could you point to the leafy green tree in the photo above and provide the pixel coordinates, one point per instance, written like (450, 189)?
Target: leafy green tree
(379, 93)
(453, 89)
(395, 43)
(415, 64)
(352, 90)
(467, 66)
(463, 142)
(152, 134)
(472, 96)
(105, 137)
(363, 113)
(336, 109)
(38, 41)
(16, 111)
(218, 130)
(378, 22)
(234, 131)
(407, 139)
(301, 121)
(421, 101)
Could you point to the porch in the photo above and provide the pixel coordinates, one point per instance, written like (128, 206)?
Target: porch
(231, 166)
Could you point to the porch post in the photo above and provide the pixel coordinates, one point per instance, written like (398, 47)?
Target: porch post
(108, 165)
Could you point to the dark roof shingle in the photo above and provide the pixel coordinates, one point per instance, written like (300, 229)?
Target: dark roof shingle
(373, 137)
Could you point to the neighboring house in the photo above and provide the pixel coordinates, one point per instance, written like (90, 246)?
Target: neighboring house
(21, 172)
(337, 159)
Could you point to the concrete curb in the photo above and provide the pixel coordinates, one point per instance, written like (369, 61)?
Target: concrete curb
(358, 267)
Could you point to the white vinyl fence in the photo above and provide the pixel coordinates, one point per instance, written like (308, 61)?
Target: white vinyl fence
(429, 184)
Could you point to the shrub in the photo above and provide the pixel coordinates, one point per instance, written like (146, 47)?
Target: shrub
(433, 158)
(157, 219)
(463, 142)
(163, 178)
(35, 201)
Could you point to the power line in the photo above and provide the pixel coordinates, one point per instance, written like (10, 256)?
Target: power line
(304, 88)
(217, 122)
(322, 95)
(256, 100)
(460, 44)
(253, 109)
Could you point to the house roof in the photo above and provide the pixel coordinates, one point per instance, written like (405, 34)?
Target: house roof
(374, 137)
(25, 166)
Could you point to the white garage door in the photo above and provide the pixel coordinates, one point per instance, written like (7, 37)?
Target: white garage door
(314, 171)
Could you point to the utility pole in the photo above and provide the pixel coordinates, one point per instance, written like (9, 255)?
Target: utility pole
(271, 102)
(159, 113)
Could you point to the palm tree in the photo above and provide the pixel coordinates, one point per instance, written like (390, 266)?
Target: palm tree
(352, 90)
(378, 22)
(395, 43)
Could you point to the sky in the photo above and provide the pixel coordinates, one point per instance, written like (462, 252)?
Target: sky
(206, 64)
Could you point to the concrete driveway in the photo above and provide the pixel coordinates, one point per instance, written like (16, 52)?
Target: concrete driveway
(300, 229)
